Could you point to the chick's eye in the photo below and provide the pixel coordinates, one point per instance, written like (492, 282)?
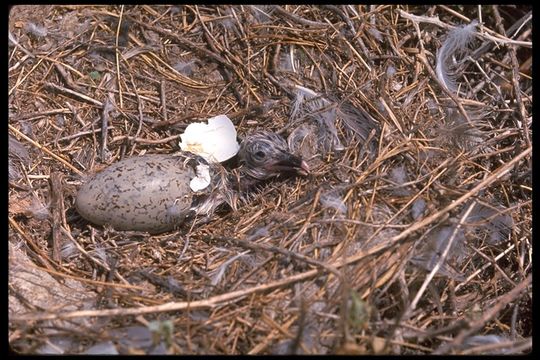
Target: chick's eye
(259, 155)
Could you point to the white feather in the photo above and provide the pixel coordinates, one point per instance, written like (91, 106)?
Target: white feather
(456, 44)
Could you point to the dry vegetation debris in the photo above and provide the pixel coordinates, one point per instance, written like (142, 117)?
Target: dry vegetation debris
(411, 235)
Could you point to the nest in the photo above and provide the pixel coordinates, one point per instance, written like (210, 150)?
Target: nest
(413, 238)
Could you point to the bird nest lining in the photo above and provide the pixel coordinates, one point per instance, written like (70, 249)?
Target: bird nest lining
(410, 235)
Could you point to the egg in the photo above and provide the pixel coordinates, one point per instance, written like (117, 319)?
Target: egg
(145, 193)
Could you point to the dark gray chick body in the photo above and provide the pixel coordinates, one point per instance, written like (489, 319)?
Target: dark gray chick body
(152, 192)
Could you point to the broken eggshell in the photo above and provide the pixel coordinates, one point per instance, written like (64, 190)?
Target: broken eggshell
(215, 141)
(202, 178)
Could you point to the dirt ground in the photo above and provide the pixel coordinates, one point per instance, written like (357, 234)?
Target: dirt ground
(410, 235)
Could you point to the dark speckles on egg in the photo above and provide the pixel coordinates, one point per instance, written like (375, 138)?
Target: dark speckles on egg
(145, 193)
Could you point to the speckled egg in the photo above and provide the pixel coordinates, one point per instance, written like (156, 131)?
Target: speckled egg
(144, 193)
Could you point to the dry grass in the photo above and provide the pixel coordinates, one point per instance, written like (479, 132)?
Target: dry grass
(323, 264)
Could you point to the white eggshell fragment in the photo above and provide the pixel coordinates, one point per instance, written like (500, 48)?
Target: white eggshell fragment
(202, 180)
(215, 141)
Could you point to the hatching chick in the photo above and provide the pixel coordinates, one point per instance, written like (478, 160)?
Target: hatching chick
(152, 192)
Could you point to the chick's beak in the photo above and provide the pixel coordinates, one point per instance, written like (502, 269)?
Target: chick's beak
(290, 163)
(304, 168)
